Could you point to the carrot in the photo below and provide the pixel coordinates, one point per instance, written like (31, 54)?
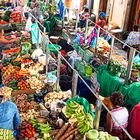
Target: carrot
(61, 132)
(70, 137)
(66, 135)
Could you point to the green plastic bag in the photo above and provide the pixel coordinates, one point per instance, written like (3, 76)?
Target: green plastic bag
(84, 102)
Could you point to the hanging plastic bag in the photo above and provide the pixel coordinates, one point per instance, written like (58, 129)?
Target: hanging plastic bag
(37, 53)
(34, 33)
(76, 40)
(28, 24)
(92, 38)
(93, 42)
(79, 39)
(137, 59)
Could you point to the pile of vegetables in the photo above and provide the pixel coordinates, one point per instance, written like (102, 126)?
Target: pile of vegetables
(27, 131)
(95, 135)
(23, 85)
(136, 66)
(55, 96)
(75, 113)
(30, 114)
(36, 83)
(67, 132)
(23, 104)
(9, 75)
(42, 129)
(6, 16)
(116, 69)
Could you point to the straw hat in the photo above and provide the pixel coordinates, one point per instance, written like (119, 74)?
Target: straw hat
(6, 93)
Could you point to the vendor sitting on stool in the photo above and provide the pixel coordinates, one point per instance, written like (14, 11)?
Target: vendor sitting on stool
(9, 115)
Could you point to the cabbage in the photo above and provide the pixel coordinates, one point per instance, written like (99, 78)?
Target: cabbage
(92, 134)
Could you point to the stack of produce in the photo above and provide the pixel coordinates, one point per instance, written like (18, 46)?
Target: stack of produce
(55, 96)
(23, 104)
(67, 132)
(35, 67)
(23, 85)
(30, 114)
(36, 83)
(27, 131)
(95, 135)
(103, 44)
(75, 112)
(9, 74)
(42, 129)
(115, 68)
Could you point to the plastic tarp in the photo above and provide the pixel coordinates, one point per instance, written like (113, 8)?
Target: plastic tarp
(110, 84)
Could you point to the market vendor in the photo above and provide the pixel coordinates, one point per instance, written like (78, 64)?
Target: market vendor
(4, 41)
(102, 21)
(120, 114)
(9, 115)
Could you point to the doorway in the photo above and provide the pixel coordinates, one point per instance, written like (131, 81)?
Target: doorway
(134, 15)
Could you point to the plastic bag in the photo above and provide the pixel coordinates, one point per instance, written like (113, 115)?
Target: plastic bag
(137, 59)
(34, 32)
(28, 24)
(84, 102)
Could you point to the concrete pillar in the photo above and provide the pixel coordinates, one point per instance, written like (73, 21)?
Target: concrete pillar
(96, 8)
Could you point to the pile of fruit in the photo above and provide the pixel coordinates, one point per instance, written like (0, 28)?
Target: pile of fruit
(75, 113)
(95, 135)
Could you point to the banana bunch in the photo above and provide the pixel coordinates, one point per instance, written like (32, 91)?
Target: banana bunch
(75, 113)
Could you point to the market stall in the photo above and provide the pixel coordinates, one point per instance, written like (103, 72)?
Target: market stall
(46, 111)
